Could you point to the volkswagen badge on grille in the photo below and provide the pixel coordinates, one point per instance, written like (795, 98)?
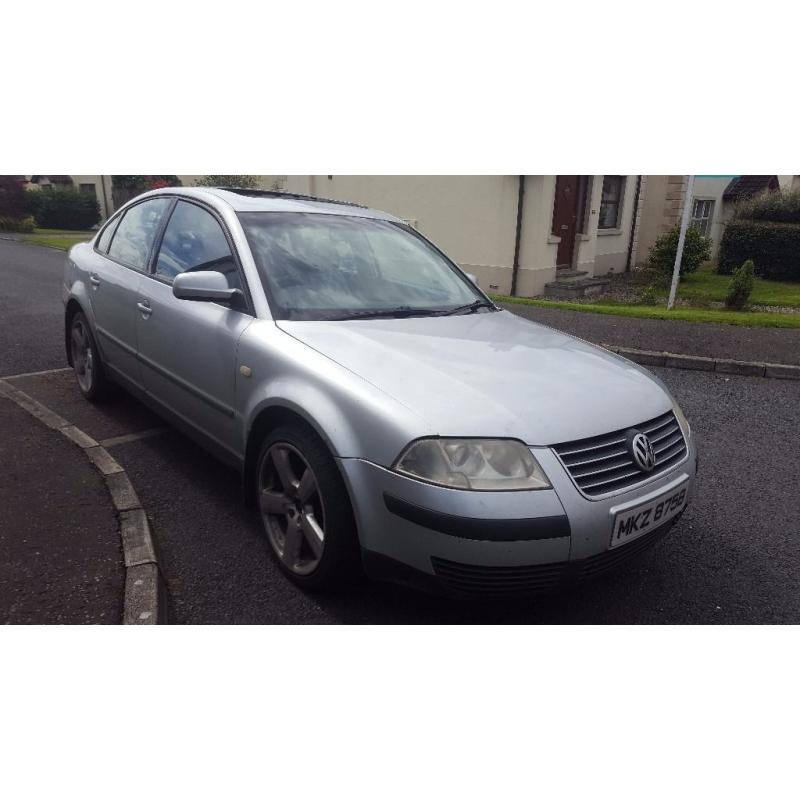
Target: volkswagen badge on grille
(641, 450)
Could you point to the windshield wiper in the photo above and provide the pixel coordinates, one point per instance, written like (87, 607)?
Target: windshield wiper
(470, 308)
(400, 312)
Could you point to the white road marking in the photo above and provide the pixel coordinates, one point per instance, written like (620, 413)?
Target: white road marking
(132, 437)
(35, 374)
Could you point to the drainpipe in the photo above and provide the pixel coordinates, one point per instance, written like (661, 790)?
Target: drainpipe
(105, 195)
(633, 223)
(515, 267)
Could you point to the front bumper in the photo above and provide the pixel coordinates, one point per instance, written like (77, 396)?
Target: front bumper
(417, 533)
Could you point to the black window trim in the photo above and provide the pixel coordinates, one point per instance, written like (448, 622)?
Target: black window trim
(159, 238)
(149, 270)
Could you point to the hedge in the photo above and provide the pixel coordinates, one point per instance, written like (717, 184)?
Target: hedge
(64, 208)
(774, 248)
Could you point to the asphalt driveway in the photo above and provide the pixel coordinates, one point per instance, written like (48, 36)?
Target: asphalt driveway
(734, 556)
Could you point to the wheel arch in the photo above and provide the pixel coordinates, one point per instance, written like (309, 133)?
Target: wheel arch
(267, 419)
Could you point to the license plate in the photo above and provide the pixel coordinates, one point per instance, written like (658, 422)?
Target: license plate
(639, 520)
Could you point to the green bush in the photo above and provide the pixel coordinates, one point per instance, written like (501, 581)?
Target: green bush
(649, 296)
(771, 207)
(774, 248)
(740, 287)
(64, 208)
(230, 181)
(696, 250)
(17, 224)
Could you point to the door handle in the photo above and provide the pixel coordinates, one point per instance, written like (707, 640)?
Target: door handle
(145, 309)
(94, 280)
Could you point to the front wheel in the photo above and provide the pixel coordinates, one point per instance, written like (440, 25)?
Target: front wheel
(86, 362)
(305, 509)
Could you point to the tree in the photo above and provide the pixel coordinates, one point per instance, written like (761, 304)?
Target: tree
(13, 197)
(230, 181)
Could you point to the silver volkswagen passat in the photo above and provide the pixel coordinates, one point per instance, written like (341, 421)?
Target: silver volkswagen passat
(384, 414)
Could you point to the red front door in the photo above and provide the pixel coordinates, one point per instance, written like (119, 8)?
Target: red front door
(565, 216)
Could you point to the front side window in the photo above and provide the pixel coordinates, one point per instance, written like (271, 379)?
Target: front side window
(194, 240)
(325, 266)
(135, 233)
(702, 214)
(611, 201)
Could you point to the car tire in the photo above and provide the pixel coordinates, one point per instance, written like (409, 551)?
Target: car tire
(300, 494)
(86, 362)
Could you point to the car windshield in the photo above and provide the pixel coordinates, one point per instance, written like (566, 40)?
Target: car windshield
(327, 266)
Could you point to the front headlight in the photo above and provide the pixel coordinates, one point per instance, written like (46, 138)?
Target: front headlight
(682, 421)
(499, 465)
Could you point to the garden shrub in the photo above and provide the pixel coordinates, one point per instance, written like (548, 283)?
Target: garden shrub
(17, 224)
(740, 287)
(649, 296)
(774, 248)
(64, 208)
(781, 206)
(696, 250)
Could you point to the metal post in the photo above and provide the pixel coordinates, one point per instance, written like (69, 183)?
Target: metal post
(676, 272)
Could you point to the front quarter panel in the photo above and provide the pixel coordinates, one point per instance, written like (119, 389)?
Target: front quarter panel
(355, 418)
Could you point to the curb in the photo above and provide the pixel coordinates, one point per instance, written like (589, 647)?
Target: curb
(762, 369)
(145, 598)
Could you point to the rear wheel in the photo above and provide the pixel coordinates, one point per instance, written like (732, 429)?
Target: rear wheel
(86, 362)
(305, 509)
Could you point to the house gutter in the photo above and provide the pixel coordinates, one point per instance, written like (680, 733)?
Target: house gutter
(518, 237)
(633, 223)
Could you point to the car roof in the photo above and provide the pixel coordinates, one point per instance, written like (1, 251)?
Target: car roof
(253, 200)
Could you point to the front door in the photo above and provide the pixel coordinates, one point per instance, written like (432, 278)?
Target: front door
(565, 217)
(187, 349)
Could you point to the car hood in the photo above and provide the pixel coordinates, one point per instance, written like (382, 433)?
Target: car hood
(491, 374)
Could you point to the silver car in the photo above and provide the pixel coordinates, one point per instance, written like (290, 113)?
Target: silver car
(384, 414)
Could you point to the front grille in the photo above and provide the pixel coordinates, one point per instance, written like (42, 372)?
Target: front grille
(602, 464)
(472, 579)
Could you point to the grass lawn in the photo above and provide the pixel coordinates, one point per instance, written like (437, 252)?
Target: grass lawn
(59, 239)
(747, 318)
(705, 286)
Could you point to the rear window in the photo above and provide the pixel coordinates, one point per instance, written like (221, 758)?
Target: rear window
(136, 232)
(105, 236)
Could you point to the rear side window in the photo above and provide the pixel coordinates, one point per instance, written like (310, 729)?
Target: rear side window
(135, 233)
(194, 240)
(105, 236)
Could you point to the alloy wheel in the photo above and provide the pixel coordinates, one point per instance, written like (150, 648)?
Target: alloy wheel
(82, 355)
(292, 508)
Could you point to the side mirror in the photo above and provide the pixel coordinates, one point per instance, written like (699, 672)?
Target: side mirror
(205, 286)
(473, 278)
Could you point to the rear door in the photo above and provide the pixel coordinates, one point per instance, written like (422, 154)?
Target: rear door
(122, 257)
(187, 349)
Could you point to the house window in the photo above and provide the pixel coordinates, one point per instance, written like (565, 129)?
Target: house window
(702, 213)
(88, 188)
(611, 201)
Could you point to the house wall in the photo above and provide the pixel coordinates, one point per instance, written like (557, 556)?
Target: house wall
(713, 189)
(611, 248)
(472, 218)
(661, 203)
